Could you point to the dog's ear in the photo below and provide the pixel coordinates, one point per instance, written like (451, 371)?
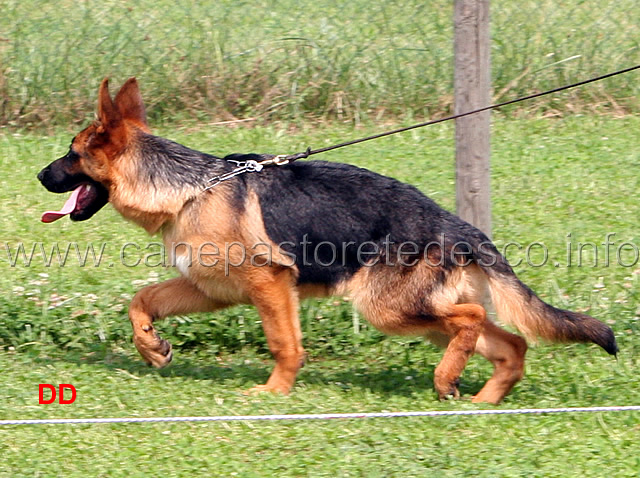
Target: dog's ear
(108, 115)
(129, 104)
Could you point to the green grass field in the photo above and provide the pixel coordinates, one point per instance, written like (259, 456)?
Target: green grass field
(68, 324)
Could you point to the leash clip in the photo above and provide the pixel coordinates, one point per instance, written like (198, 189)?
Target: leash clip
(250, 166)
(280, 159)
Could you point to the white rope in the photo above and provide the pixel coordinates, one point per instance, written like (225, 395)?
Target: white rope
(319, 416)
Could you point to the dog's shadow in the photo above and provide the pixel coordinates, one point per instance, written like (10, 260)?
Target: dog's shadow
(397, 380)
(183, 367)
(406, 381)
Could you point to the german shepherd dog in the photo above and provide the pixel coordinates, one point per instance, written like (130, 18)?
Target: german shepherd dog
(304, 229)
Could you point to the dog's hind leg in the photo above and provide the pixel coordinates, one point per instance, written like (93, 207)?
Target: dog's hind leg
(157, 301)
(456, 328)
(447, 311)
(506, 352)
(273, 292)
(463, 324)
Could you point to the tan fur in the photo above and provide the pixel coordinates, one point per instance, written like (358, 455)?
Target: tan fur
(306, 291)
(386, 295)
(513, 309)
(173, 297)
(506, 352)
(463, 324)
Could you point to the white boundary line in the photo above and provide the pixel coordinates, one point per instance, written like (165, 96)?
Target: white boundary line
(319, 416)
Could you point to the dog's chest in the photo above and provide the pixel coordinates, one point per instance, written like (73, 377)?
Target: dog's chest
(183, 263)
(205, 263)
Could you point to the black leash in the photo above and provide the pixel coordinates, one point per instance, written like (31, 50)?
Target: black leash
(283, 159)
(255, 163)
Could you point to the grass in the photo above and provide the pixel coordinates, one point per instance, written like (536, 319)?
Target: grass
(286, 60)
(69, 325)
(554, 445)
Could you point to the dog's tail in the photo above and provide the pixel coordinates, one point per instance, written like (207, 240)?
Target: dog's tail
(518, 305)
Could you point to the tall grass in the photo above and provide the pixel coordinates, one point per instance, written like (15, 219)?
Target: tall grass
(226, 60)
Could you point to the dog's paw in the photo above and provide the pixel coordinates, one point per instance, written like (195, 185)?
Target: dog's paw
(449, 391)
(486, 397)
(154, 350)
(163, 356)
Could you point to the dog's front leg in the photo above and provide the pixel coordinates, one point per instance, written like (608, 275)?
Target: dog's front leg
(274, 294)
(172, 297)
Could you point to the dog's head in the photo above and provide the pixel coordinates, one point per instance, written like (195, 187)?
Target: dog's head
(88, 168)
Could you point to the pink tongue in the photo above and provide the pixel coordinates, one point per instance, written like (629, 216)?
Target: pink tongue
(69, 206)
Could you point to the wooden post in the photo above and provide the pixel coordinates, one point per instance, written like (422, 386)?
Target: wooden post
(472, 90)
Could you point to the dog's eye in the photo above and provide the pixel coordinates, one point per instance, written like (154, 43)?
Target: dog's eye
(72, 156)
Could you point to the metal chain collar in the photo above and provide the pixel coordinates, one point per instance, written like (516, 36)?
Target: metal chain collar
(250, 166)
